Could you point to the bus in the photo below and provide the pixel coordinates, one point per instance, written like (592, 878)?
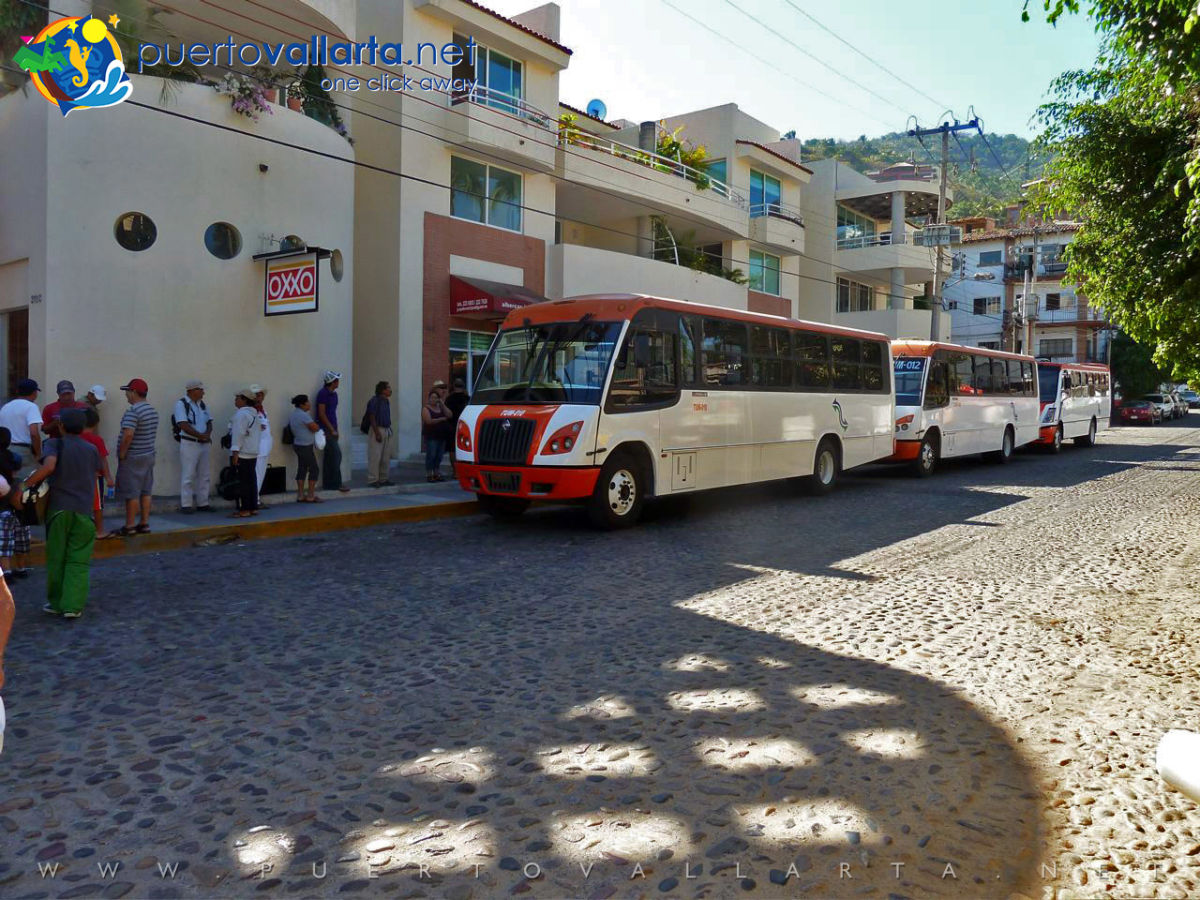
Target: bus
(958, 401)
(612, 399)
(1076, 401)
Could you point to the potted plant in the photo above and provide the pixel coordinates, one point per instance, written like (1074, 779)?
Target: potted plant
(247, 96)
(269, 80)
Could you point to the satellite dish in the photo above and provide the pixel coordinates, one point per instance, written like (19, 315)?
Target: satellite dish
(596, 109)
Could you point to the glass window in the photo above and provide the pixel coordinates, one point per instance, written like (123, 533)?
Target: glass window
(644, 372)
(987, 306)
(961, 374)
(764, 272)
(873, 378)
(502, 76)
(937, 388)
(688, 358)
(771, 352)
(224, 241)
(1053, 302)
(982, 376)
(716, 169)
(847, 374)
(1016, 379)
(853, 230)
(485, 194)
(1055, 347)
(991, 257)
(724, 345)
(853, 296)
(812, 360)
(560, 362)
(766, 194)
(135, 231)
(999, 376)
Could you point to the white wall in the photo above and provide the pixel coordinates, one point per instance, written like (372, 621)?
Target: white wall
(577, 270)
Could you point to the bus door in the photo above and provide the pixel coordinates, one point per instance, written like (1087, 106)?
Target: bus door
(690, 424)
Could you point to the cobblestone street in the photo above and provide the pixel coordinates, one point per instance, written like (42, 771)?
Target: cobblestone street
(949, 687)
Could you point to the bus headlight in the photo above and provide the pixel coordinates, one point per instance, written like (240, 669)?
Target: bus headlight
(903, 422)
(563, 440)
(463, 438)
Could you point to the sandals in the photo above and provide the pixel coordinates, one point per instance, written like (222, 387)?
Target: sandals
(241, 515)
(123, 531)
(142, 529)
(108, 535)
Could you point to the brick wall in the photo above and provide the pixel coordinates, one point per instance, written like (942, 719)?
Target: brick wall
(446, 237)
(771, 305)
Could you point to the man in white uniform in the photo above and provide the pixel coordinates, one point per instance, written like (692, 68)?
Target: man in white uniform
(193, 429)
(23, 420)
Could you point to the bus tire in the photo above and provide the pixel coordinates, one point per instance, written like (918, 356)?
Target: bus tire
(1007, 446)
(1058, 441)
(827, 466)
(620, 493)
(1088, 440)
(502, 507)
(928, 456)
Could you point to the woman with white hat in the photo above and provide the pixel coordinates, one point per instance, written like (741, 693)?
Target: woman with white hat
(266, 442)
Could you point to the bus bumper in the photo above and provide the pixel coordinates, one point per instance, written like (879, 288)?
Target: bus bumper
(1046, 434)
(528, 482)
(906, 451)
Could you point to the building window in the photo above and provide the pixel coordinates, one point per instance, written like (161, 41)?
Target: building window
(1053, 302)
(223, 240)
(989, 345)
(766, 194)
(853, 230)
(500, 77)
(764, 272)
(135, 231)
(485, 194)
(987, 306)
(991, 257)
(1056, 347)
(854, 296)
(715, 169)
(468, 350)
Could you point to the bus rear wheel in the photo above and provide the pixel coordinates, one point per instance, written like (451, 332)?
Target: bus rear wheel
(1058, 440)
(1089, 440)
(502, 507)
(927, 456)
(826, 468)
(620, 493)
(1007, 446)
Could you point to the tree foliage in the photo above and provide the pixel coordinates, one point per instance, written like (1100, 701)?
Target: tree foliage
(1125, 141)
(1134, 368)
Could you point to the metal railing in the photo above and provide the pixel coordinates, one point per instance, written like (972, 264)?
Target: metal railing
(577, 138)
(1055, 267)
(883, 239)
(777, 211)
(505, 103)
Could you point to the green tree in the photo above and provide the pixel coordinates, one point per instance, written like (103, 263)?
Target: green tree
(1134, 368)
(1125, 141)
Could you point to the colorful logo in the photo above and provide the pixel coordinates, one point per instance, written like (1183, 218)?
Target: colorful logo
(837, 407)
(76, 63)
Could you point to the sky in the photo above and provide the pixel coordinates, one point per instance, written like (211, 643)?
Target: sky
(647, 59)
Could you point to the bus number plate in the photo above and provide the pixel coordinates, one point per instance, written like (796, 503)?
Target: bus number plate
(503, 482)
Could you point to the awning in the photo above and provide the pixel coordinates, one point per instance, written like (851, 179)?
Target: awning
(487, 299)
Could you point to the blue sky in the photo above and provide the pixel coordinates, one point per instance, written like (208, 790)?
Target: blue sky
(647, 60)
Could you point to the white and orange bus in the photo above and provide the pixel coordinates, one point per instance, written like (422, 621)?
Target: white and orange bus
(957, 401)
(1076, 402)
(612, 399)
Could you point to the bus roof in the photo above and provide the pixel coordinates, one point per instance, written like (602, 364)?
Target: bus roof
(906, 347)
(1087, 367)
(625, 306)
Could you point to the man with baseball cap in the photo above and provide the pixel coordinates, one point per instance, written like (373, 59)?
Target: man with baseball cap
(193, 429)
(23, 420)
(327, 404)
(135, 455)
(95, 396)
(66, 400)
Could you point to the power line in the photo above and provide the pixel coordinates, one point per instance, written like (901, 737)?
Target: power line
(865, 56)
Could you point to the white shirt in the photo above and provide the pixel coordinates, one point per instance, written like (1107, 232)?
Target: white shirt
(199, 418)
(246, 432)
(266, 442)
(17, 415)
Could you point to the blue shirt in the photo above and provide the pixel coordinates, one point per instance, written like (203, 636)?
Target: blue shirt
(382, 408)
(330, 399)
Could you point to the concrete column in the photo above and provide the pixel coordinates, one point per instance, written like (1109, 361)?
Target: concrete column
(897, 216)
(645, 236)
(896, 292)
(648, 137)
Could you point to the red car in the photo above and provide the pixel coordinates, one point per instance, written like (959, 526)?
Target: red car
(1141, 412)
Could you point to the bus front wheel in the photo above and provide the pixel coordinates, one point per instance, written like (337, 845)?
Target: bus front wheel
(1089, 440)
(826, 468)
(502, 507)
(620, 493)
(1058, 440)
(927, 456)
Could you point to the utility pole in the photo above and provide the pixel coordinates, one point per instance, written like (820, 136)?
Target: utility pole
(1030, 283)
(943, 236)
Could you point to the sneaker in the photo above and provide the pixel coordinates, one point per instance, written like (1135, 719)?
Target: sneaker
(72, 615)
(386, 483)
(205, 508)
(50, 610)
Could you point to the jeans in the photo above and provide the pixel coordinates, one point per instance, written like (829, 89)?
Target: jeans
(332, 463)
(434, 448)
(247, 498)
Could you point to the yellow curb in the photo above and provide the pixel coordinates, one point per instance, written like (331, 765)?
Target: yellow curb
(257, 531)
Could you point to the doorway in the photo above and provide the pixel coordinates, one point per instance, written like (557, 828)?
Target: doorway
(14, 348)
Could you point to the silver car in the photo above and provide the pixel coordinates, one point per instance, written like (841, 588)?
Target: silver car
(1166, 406)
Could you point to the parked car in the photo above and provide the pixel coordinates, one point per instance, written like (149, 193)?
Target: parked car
(1164, 404)
(1191, 398)
(1181, 405)
(1140, 412)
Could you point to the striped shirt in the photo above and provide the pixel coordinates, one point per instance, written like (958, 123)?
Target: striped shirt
(143, 419)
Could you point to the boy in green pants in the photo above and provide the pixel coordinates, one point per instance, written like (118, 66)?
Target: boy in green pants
(70, 464)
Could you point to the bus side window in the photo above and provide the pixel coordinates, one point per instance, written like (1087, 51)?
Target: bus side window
(847, 370)
(873, 377)
(688, 358)
(644, 372)
(937, 387)
(811, 351)
(1016, 378)
(962, 376)
(725, 345)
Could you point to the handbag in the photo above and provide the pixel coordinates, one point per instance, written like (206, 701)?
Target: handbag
(33, 505)
(319, 440)
(227, 483)
(289, 436)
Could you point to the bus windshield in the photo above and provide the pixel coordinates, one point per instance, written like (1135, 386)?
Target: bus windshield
(1048, 384)
(910, 371)
(556, 362)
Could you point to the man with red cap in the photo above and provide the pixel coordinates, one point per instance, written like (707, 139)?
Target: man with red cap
(135, 455)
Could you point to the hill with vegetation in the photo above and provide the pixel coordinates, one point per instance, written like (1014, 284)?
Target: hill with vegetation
(982, 184)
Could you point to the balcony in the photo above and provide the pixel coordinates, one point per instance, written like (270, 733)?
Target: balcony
(1052, 269)
(574, 269)
(777, 227)
(612, 174)
(875, 255)
(502, 125)
(1069, 312)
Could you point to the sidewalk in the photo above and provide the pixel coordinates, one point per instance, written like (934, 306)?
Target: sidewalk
(411, 499)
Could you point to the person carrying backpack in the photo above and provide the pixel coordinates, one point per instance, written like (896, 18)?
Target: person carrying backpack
(377, 425)
(192, 426)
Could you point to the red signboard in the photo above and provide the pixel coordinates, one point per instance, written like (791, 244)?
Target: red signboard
(487, 299)
(292, 285)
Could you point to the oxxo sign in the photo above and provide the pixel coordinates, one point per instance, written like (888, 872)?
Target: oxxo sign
(292, 285)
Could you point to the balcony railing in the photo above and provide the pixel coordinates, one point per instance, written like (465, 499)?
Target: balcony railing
(883, 239)
(1055, 267)
(576, 138)
(505, 103)
(777, 211)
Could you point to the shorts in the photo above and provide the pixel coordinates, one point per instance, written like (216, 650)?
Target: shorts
(14, 537)
(135, 477)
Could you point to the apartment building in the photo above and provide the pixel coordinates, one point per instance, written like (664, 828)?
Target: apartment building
(992, 308)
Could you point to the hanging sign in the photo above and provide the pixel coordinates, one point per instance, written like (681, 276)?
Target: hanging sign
(291, 286)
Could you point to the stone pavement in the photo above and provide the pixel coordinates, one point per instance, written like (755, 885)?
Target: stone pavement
(904, 689)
